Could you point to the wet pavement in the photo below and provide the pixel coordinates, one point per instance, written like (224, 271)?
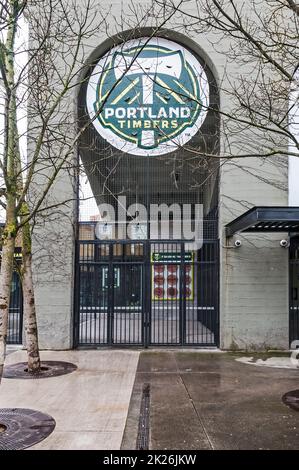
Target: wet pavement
(210, 401)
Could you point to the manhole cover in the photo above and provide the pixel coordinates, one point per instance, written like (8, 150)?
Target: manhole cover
(291, 399)
(48, 369)
(22, 428)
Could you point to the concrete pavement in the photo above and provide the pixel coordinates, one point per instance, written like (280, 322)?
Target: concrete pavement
(89, 405)
(211, 401)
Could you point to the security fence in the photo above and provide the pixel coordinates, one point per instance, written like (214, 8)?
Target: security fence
(146, 293)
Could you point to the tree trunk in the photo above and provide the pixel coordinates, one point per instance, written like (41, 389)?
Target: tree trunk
(8, 169)
(31, 332)
(8, 248)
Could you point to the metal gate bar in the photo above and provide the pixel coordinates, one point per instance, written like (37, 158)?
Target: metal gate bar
(146, 293)
(15, 317)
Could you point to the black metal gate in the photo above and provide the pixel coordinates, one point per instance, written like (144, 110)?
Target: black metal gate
(15, 318)
(146, 293)
(294, 291)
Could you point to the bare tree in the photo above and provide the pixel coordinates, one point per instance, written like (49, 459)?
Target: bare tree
(10, 12)
(260, 39)
(58, 30)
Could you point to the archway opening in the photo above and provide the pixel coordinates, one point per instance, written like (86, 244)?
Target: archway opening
(148, 197)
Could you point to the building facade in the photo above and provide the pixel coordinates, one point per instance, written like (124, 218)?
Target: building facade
(154, 97)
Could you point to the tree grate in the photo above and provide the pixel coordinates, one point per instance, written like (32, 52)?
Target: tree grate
(48, 369)
(23, 428)
(142, 442)
(291, 399)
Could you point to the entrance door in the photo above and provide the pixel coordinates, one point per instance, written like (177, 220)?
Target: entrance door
(184, 294)
(146, 293)
(127, 304)
(110, 294)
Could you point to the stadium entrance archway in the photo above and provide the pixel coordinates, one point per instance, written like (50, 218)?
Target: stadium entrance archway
(149, 106)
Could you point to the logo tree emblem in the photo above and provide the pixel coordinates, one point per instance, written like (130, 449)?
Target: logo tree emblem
(148, 96)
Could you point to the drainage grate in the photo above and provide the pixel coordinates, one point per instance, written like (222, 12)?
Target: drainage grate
(21, 428)
(142, 442)
(48, 369)
(291, 399)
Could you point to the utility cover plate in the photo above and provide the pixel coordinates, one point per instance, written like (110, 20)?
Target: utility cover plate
(291, 399)
(48, 369)
(23, 428)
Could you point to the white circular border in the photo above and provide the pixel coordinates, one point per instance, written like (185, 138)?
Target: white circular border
(176, 142)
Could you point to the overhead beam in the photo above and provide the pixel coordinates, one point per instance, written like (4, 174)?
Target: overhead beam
(282, 219)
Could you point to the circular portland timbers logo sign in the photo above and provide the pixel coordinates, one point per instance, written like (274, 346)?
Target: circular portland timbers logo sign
(148, 96)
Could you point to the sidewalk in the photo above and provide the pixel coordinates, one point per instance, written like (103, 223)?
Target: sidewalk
(89, 405)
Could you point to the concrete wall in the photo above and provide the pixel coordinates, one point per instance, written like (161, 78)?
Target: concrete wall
(253, 278)
(53, 249)
(53, 231)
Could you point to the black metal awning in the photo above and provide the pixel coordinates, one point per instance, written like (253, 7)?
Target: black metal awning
(265, 219)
